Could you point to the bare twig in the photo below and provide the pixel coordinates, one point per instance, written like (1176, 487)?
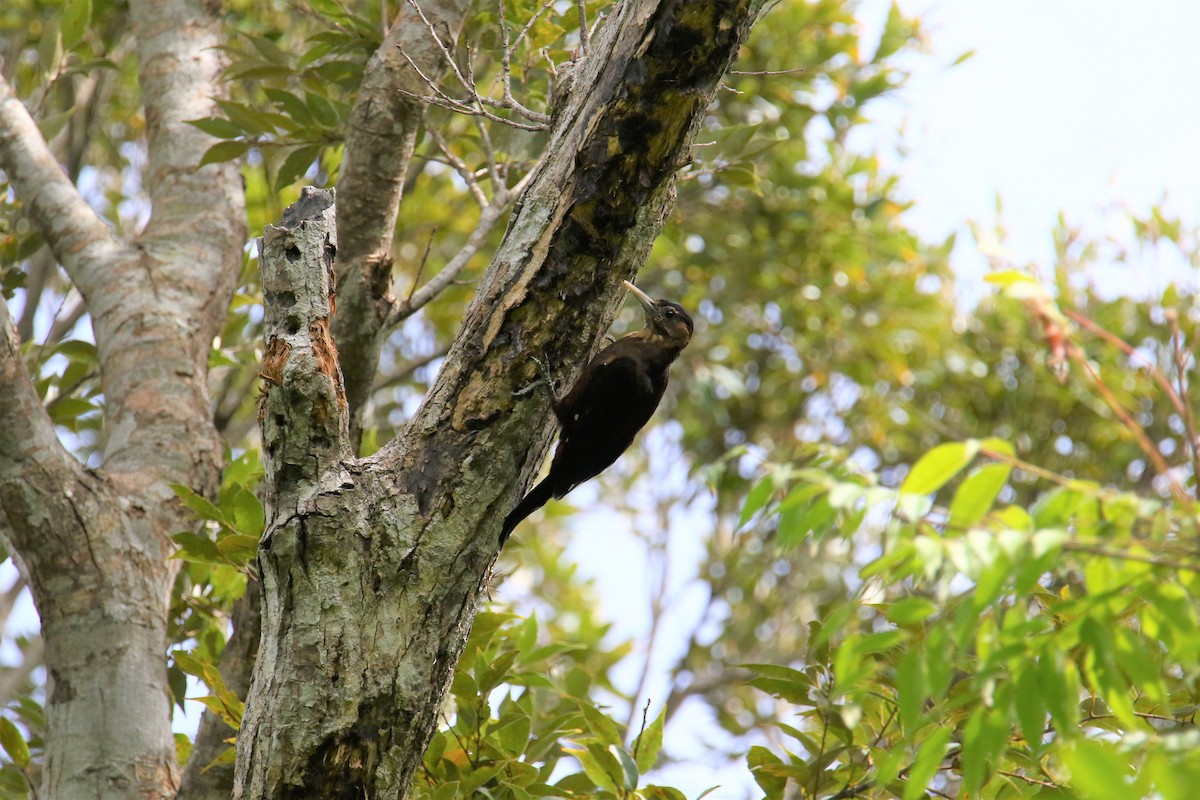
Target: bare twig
(460, 166)
(405, 372)
(506, 74)
(768, 71)
(1129, 350)
(487, 220)
(584, 35)
(637, 743)
(1160, 464)
(65, 318)
(1181, 369)
(421, 267)
(657, 549)
(476, 104)
(489, 153)
(1125, 555)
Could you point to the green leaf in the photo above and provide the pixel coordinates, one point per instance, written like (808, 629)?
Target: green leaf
(629, 770)
(220, 127)
(977, 493)
(759, 494)
(296, 164)
(202, 506)
(76, 16)
(1031, 711)
(14, 743)
(596, 769)
(248, 513)
(911, 688)
(911, 611)
(926, 764)
(897, 32)
(603, 728)
(323, 111)
(289, 104)
(984, 737)
(761, 760)
(1105, 677)
(1057, 689)
(251, 120)
(649, 743)
(1098, 771)
(934, 469)
(197, 548)
(224, 151)
(514, 730)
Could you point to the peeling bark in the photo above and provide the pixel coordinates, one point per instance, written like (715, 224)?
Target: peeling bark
(372, 568)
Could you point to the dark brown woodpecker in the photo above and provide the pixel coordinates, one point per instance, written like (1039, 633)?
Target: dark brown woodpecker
(615, 396)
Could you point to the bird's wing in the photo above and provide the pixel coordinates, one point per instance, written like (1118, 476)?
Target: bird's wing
(614, 379)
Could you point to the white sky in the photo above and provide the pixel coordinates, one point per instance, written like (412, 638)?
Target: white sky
(1079, 106)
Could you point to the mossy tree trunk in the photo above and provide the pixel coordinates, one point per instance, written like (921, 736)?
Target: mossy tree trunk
(372, 568)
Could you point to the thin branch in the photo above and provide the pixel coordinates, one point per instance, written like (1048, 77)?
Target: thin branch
(475, 103)
(421, 266)
(1181, 370)
(584, 35)
(1130, 351)
(489, 153)
(406, 372)
(768, 71)
(656, 550)
(529, 25)
(444, 101)
(441, 46)
(69, 312)
(487, 220)
(80, 240)
(460, 167)
(1160, 464)
(1157, 561)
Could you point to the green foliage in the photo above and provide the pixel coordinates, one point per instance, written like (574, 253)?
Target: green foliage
(520, 706)
(991, 648)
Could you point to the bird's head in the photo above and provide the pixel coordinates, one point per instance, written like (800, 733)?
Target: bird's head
(664, 319)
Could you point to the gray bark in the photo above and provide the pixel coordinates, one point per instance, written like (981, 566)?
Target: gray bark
(96, 543)
(372, 568)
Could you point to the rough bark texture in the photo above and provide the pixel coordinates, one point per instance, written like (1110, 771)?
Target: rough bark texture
(372, 568)
(95, 543)
(379, 144)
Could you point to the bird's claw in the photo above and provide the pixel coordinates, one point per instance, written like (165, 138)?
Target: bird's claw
(544, 377)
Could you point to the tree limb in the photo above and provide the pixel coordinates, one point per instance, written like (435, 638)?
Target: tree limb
(80, 240)
(28, 442)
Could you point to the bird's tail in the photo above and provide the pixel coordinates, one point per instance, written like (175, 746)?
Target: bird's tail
(538, 496)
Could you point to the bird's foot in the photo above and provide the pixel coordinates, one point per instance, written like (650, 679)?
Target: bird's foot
(545, 377)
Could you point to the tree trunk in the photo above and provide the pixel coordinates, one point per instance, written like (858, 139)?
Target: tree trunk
(95, 543)
(372, 568)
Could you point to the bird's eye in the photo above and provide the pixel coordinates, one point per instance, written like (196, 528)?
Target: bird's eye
(670, 312)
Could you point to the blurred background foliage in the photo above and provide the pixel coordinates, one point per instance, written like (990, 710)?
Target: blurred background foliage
(832, 349)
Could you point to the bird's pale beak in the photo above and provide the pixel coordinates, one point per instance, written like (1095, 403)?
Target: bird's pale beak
(644, 299)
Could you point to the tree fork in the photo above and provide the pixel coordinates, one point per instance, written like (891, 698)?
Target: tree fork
(372, 568)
